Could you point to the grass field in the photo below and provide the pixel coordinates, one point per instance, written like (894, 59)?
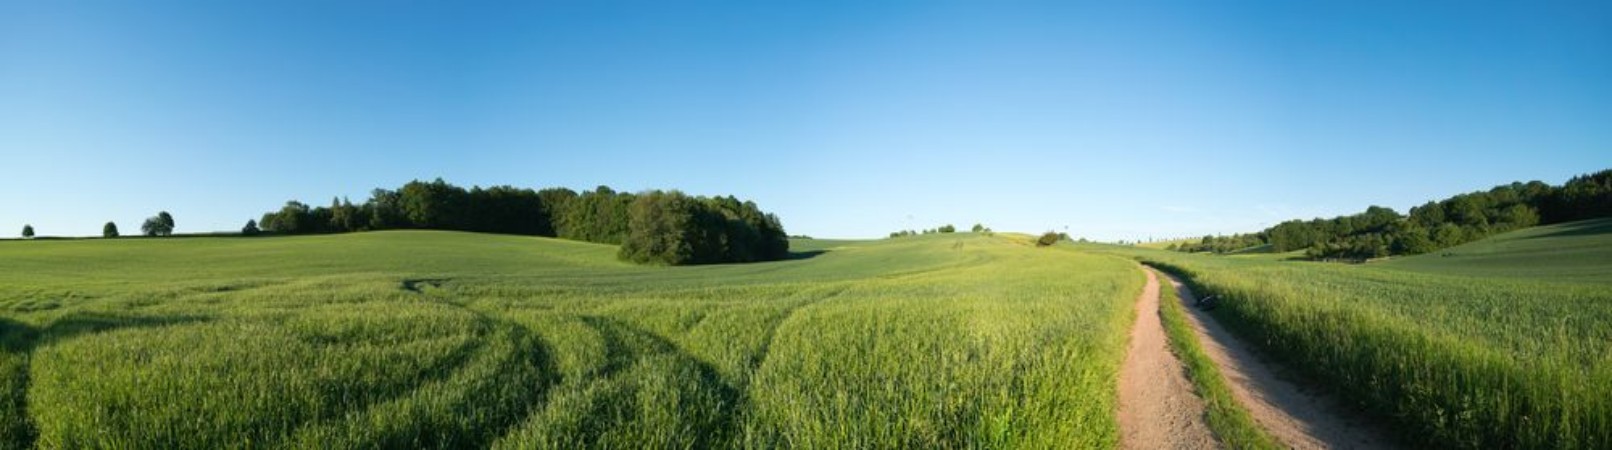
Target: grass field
(1576, 252)
(1503, 343)
(440, 339)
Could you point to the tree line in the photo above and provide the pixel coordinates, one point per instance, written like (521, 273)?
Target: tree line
(1378, 232)
(655, 227)
(947, 228)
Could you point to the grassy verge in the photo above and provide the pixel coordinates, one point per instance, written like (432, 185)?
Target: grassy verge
(1229, 421)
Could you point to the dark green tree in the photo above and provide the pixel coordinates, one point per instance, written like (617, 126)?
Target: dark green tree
(435, 205)
(28, 231)
(344, 217)
(293, 218)
(385, 210)
(110, 230)
(250, 229)
(1414, 240)
(597, 216)
(661, 229)
(555, 202)
(160, 225)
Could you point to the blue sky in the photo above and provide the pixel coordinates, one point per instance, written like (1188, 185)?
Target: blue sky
(1117, 120)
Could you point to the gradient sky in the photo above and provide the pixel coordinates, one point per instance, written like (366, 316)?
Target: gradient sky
(1118, 120)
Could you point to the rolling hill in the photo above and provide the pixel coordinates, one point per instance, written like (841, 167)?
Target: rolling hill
(1573, 251)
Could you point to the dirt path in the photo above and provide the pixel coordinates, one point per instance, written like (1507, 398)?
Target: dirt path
(1157, 408)
(1299, 418)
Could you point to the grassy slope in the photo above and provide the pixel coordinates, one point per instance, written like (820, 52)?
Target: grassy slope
(1577, 251)
(438, 339)
(1504, 345)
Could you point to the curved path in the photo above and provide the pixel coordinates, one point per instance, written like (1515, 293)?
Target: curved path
(1297, 417)
(1157, 408)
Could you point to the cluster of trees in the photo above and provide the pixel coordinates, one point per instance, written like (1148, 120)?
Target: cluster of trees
(670, 227)
(1222, 244)
(947, 228)
(433, 205)
(674, 227)
(1380, 232)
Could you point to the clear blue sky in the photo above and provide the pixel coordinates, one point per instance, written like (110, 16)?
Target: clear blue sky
(1119, 120)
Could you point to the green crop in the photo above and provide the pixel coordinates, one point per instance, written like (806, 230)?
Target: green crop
(415, 339)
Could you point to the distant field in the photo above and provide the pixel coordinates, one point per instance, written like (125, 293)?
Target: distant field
(438, 339)
(1577, 251)
(1500, 343)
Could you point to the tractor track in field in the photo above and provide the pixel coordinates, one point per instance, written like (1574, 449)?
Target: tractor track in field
(788, 312)
(1297, 417)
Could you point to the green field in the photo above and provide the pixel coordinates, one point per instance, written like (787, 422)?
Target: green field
(442, 339)
(1575, 252)
(1502, 343)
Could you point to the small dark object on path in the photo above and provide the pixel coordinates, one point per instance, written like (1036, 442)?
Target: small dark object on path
(1206, 303)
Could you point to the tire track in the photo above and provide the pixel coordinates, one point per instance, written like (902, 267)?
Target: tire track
(772, 334)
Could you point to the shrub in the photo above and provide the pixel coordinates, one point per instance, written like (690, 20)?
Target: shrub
(1047, 239)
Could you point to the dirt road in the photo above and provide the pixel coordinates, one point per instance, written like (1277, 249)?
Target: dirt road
(1297, 417)
(1157, 407)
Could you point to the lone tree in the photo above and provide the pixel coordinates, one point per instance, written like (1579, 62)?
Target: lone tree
(250, 229)
(110, 230)
(161, 225)
(28, 231)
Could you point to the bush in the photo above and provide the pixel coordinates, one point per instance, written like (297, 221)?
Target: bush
(110, 230)
(1047, 239)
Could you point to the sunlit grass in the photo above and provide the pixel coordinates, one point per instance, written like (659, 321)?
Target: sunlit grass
(453, 340)
(1470, 361)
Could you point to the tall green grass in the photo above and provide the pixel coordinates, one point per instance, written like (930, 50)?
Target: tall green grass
(454, 340)
(1461, 361)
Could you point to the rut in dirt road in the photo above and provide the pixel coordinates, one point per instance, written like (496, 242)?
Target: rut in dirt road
(1297, 417)
(1157, 406)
